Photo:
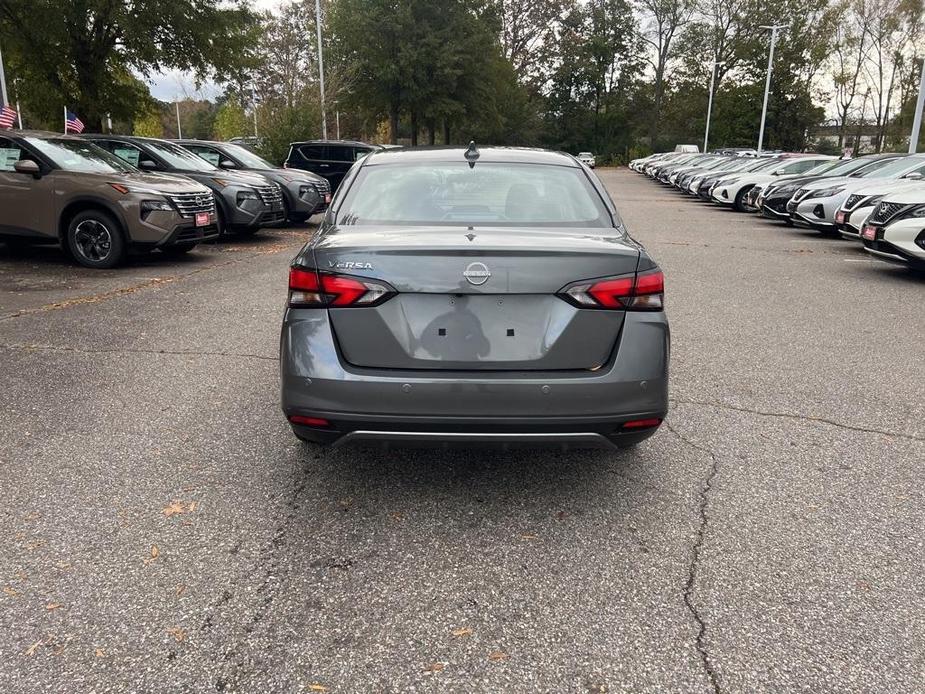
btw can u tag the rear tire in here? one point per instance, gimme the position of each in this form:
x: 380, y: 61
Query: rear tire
x: 95, y: 240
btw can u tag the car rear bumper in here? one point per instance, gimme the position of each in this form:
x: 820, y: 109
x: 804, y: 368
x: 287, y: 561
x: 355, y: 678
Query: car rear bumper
x: 525, y: 407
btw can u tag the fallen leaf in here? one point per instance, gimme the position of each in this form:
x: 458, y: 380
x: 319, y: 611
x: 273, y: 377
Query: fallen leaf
x: 561, y: 515
x: 179, y: 633
x: 528, y: 536
x: 180, y: 590
x: 100, y: 653
x: 317, y: 688
x: 33, y: 648
x: 397, y: 516
x: 435, y: 667
x: 155, y: 553
x: 191, y: 507
x: 53, y: 606
x: 464, y: 631
x: 498, y: 656
x: 9, y: 591
x: 174, y: 508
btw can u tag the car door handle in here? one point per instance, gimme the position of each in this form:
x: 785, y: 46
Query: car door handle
x: 323, y: 166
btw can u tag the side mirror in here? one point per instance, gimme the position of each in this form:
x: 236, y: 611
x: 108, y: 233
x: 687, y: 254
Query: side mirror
x: 914, y: 176
x: 28, y: 167
x: 226, y: 164
x: 147, y: 164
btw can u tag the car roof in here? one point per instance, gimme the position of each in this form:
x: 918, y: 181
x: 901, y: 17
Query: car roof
x: 520, y: 155
x: 353, y: 143
x: 44, y: 134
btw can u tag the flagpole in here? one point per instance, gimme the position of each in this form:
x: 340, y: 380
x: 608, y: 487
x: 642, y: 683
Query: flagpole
x: 3, y: 99
x: 179, y: 132
x: 65, y: 120
x: 18, y: 109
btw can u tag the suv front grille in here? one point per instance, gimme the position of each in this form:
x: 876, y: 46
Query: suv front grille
x: 189, y: 204
x: 271, y: 196
x: 884, y: 211
x: 852, y: 200
x: 800, y: 194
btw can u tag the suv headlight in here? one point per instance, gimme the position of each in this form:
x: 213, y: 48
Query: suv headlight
x: 247, y: 194
x: 824, y: 192
x: 155, y: 205
x: 915, y: 212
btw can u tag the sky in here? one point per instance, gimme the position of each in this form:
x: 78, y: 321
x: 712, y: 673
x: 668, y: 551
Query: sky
x: 173, y: 84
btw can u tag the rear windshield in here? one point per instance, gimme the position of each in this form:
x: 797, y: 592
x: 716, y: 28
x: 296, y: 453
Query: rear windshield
x: 453, y: 194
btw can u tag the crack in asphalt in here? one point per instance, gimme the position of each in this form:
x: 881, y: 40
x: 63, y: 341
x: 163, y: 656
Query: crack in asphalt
x: 268, y: 563
x: 689, y: 586
x: 798, y: 417
x: 170, y: 352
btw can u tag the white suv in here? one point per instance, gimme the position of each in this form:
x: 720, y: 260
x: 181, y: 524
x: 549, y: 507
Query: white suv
x: 895, y: 230
x: 586, y: 158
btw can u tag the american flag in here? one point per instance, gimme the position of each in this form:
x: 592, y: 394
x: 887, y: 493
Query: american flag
x: 73, y: 124
x: 7, y: 117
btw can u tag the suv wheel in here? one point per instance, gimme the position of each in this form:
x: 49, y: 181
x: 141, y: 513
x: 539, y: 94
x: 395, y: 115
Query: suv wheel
x: 739, y: 203
x: 95, y: 239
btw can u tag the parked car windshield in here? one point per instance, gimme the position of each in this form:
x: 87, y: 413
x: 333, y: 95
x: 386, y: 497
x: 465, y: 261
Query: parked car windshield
x: 246, y: 157
x: 79, y: 155
x: 863, y: 167
x: 453, y: 194
x: 179, y: 158
x: 826, y: 167
x: 890, y: 168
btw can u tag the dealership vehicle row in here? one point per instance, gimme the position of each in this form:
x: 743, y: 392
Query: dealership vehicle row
x: 102, y: 197
x: 878, y: 199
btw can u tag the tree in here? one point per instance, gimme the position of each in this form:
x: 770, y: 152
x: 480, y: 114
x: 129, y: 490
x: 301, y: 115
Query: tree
x: 148, y: 125
x: 434, y: 62
x: 230, y: 121
x: 527, y: 28
x: 664, y: 19
x: 83, y: 53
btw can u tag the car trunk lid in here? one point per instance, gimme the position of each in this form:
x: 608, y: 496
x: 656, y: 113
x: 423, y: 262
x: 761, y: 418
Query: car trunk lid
x: 476, y: 299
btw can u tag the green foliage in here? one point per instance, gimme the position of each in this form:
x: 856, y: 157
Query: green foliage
x: 83, y: 53
x: 436, y: 64
x: 148, y: 125
x: 231, y: 121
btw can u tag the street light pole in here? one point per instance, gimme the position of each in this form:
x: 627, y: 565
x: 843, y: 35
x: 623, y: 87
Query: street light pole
x: 917, y: 121
x: 706, y: 134
x: 179, y: 131
x: 324, y: 115
x: 254, y: 107
x: 767, y: 85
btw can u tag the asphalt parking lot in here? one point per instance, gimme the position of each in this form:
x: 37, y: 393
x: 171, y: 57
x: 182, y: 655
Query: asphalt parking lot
x: 163, y: 531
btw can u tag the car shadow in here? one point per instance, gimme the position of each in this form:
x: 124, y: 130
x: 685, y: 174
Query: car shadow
x: 486, y: 473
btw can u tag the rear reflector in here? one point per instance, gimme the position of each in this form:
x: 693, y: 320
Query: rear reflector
x: 642, y: 423
x: 309, y: 421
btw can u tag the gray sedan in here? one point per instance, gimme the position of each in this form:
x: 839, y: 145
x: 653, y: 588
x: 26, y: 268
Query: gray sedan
x: 488, y: 295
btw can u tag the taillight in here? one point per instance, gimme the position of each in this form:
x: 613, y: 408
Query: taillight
x: 309, y: 288
x: 638, y: 292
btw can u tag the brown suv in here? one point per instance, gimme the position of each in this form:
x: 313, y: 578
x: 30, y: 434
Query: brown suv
x: 62, y: 189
